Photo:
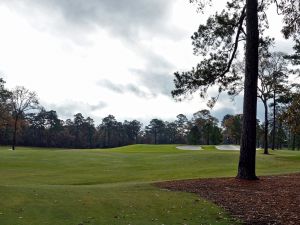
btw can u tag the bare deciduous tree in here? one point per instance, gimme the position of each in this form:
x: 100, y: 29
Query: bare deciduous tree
x: 22, y: 100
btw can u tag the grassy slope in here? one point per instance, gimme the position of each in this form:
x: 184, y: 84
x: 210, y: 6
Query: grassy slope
x: 62, y: 187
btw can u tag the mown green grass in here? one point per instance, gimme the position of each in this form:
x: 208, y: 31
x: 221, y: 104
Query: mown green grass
x: 113, y: 186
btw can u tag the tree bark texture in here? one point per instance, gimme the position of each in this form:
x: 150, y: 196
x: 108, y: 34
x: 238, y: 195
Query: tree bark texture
x: 246, y: 167
x: 274, y: 121
x: 294, y: 142
x: 15, y: 133
x: 266, y: 129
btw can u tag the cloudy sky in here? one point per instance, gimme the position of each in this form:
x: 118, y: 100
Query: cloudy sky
x: 101, y: 57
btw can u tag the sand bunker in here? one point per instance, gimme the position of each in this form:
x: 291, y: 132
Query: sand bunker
x: 228, y: 147
x: 190, y: 147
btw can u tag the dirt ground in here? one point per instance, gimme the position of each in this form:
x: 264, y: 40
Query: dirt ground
x: 269, y: 200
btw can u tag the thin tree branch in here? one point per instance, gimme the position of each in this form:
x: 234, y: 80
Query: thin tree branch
x: 241, y: 21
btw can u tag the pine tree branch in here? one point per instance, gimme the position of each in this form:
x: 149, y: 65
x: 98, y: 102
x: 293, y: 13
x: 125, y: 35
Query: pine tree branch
x: 236, y: 44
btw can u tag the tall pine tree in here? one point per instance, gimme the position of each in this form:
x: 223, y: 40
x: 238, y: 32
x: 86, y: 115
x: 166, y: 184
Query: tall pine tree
x: 218, y: 43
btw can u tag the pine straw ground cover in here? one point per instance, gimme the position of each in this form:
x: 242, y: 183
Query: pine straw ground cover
x: 269, y: 200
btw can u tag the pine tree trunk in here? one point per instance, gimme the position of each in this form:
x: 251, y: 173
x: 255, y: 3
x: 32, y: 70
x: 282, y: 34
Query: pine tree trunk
x: 274, y: 121
x: 279, y: 136
x: 246, y: 168
x: 294, y: 142
x: 15, y: 133
x: 266, y: 151
x: 208, y: 134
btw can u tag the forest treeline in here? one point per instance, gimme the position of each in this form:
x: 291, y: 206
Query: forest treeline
x: 24, y: 122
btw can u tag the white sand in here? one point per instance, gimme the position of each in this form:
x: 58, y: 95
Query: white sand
x: 190, y: 147
x: 228, y: 147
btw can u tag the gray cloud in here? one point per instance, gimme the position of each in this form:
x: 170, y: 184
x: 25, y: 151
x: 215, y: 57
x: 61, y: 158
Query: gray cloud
x: 157, y: 82
x: 220, y: 113
x: 111, y: 86
x: 157, y: 75
x: 69, y: 109
x: 137, y: 91
x: 99, y: 106
x: 124, y: 18
x: 236, y: 107
x: 121, y: 89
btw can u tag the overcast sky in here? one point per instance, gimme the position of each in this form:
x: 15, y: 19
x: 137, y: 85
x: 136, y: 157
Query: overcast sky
x: 101, y: 57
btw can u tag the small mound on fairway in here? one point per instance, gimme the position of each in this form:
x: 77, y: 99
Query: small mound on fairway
x: 190, y: 147
x: 228, y: 147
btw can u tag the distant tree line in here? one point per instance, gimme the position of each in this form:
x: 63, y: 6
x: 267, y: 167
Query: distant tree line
x: 23, y: 121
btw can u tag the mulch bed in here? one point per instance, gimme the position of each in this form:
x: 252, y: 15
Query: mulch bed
x: 269, y: 200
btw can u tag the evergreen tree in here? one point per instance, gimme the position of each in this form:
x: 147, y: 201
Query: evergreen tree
x: 217, y: 42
